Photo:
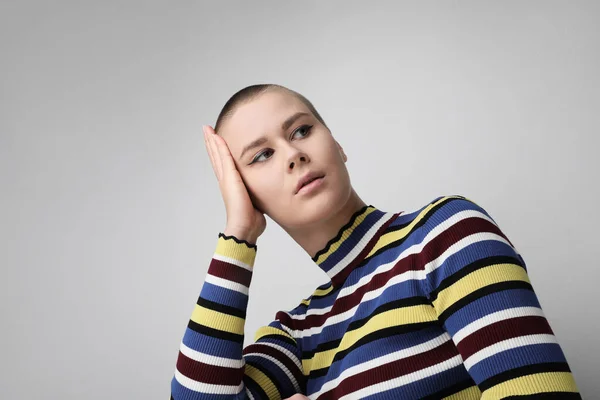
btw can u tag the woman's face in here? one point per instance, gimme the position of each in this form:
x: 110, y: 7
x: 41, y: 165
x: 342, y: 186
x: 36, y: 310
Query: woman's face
x: 271, y: 170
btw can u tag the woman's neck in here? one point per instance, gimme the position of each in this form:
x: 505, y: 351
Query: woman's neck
x: 314, y: 238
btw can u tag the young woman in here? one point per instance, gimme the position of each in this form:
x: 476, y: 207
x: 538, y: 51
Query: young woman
x: 431, y: 303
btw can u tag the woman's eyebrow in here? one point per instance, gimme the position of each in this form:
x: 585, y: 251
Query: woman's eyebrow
x: 284, y: 126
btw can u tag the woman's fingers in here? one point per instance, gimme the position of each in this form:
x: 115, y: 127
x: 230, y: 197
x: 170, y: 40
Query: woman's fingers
x: 227, y: 163
x: 213, y: 153
x: 212, y: 162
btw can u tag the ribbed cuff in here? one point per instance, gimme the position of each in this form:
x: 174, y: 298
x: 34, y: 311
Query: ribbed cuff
x: 238, y: 249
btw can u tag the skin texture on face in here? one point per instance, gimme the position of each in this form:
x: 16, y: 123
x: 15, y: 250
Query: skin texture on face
x: 272, y: 170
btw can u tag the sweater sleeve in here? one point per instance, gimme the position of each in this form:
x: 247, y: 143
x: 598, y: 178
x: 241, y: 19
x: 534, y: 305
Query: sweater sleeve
x: 480, y: 289
x: 212, y: 363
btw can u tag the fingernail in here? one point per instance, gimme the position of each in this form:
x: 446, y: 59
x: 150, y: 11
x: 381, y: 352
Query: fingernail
x: 204, y: 128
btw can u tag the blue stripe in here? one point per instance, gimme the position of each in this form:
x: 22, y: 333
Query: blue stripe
x: 489, y: 304
x: 178, y: 391
x: 398, y: 291
x: 374, y: 349
x: 357, y: 234
x: 224, y: 296
x: 468, y: 255
x: 515, y: 358
x: 211, y: 345
x: 424, y: 387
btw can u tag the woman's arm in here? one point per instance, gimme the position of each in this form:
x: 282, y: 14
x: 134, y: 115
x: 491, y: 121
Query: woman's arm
x: 479, y: 286
x: 212, y: 363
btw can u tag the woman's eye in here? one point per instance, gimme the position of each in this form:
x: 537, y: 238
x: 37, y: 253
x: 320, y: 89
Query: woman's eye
x: 256, y: 159
x: 306, y: 128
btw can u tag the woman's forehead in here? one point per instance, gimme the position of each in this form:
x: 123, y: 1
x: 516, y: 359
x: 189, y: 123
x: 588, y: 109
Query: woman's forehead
x: 263, y: 115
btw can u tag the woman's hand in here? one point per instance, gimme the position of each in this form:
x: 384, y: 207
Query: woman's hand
x: 297, y: 397
x: 244, y: 221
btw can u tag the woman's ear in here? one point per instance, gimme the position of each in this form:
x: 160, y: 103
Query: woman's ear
x: 344, y: 156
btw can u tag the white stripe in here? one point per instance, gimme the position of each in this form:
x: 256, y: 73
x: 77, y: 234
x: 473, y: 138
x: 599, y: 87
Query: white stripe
x: 464, y: 242
x: 495, y: 317
x: 417, y: 275
x: 249, y: 394
x: 365, y: 280
x: 362, y: 243
x: 207, y: 387
x: 405, y: 379
x: 233, y: 261
x: 373, y: 294
x: 508, y: 344
x: 385, y: 359
x: 210, y: 359
x: 283, y: 350
x: 281, y: 367
x: 227, y: 284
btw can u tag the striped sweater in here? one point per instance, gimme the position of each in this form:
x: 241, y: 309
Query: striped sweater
x: 434, y: 303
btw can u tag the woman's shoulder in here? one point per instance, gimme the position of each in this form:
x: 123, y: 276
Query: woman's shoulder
x: 317, y: 299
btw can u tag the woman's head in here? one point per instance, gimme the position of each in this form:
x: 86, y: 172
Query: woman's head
x: 296, y: 141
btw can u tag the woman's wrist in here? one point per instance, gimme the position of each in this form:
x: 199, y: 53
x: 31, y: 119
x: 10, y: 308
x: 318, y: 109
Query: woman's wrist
x: 241, y: 234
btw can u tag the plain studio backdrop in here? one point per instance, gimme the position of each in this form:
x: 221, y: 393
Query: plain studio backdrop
x: 110, y: 210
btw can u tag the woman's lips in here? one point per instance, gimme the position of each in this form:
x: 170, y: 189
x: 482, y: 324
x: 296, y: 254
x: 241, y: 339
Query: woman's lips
x: 312, y: 186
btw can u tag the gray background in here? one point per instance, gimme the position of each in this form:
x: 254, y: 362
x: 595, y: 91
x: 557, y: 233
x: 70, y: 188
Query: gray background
x: 109, y: 209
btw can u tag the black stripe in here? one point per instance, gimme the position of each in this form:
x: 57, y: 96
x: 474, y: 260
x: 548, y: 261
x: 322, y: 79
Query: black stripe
x: 205, y: 330
x: 548, y: 396
x: 319, y: 296
x: 254, y: 388
x: 400, y: 241
x: 392, y: 305
x: 366, y: 260
x: 240, y: 241
x: 474, y: 266
x: 222, y: 308
x: 396, y: 304
x: 269, y: 375
x: 379, y: 334
x: 522, y: 371
x: 450, y: 390
x: 479, y: 293
x: 394, y: 228
x: 435, y: 208
x: 273, y: 337
x: 341, y: 231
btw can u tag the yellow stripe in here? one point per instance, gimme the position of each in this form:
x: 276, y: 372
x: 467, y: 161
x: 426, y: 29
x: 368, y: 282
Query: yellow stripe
x: 322, y: 292
x: 397, y: 317
x: 263, y: 381
x: 476, y: 280
x: 391, y: 237
x: 470, y: 393
x: 345, y: 235
x: 535, y: 383
x: 238, y: 251
x: 218, y: 320
x: 269, y: 330
x: 317, y: 292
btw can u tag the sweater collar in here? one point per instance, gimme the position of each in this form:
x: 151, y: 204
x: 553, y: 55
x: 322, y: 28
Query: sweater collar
x: 353, y: 242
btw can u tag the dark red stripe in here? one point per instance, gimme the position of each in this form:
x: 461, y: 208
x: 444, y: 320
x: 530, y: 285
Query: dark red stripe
x: 392, y: 370
x: 341, y: 276
x: 502, y: 330
x: 413, y: 262
x: 206, y: 373
x: 230, y: 272
x: 278, y: 355
x: 456, y: 232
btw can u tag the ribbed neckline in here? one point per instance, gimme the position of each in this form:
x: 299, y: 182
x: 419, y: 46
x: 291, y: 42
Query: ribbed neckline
x: 353, y: 241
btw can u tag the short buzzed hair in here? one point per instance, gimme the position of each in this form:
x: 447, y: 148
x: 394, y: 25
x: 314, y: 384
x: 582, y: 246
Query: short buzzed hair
x: 251, y: 92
